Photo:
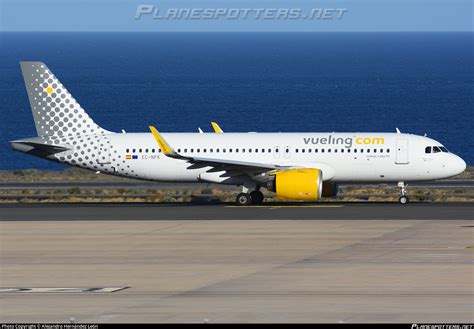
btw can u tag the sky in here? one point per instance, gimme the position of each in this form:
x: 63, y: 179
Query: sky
x: 120, y: 15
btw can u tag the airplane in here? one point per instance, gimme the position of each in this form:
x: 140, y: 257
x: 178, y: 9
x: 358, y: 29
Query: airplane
x: 295, y: 166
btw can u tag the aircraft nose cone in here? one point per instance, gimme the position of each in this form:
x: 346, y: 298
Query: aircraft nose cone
x: 458, y: 165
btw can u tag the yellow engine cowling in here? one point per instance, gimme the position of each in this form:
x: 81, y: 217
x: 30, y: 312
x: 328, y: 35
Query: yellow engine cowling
x: 297, y: 184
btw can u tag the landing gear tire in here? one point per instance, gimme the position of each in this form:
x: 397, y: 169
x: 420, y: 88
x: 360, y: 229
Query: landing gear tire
x: 243, y: 199
x: 257, y: 197
x: 403, y: 199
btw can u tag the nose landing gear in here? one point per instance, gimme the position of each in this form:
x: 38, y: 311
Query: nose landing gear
x: 403, y: 199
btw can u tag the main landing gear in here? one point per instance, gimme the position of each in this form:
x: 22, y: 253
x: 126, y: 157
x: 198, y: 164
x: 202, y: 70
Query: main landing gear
x: 254, y: 197
x: 257, y: 197
x: 403, y: 199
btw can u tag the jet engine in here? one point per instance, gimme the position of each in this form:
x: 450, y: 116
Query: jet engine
x: 297, y: 184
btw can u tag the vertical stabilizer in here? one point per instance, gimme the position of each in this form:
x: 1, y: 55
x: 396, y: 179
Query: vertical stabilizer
x: 55, y: 111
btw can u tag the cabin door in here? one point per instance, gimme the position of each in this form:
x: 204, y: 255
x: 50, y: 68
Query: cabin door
x: 402, y: 151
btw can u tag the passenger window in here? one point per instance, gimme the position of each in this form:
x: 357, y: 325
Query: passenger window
x: 368, y: 150
x: 309, y: 150
x: 361, y: 150
x: 256, y: 150
x: 211, y: 150
x: 342, y: 150
x: 146, y: 151
x: 204, y: 150
x: 192, y: 150
x: 230, y: 150
x: 375, y: 150
x: 269, y: 150
x: 243, y: 150
x: 322, y: 150
x: 236, y: 150
x: 302, y: 150
x: 127, y: 151
x: 335, y: 150
x: 263, y: 150
x: 223, y: 150
x: 381, y: 150
x: 153, y: 150
x: 185, y: 150
x: 428, y: 149
x: 348, y: 150
x: 388, y: 150
x: 287, y: 150
x: 133, y: 151
x: 140, y: 151
x: 296, y: 150
x: 315, y: 150
x: 198, y: 150
x: 355, y: 150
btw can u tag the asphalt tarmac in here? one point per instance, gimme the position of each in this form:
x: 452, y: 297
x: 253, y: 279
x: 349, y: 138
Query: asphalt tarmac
x: 270, y: 211
x: 298, y: 262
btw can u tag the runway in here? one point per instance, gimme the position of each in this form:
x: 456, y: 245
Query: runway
x: 281, y: 263
x: 270, y: 211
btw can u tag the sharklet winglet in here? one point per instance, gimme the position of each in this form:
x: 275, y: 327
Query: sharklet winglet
x: 216, y: 128
x: 165, y: 148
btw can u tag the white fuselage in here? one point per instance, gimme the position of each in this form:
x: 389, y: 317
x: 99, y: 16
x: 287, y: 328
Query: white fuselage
x: 342, y: 157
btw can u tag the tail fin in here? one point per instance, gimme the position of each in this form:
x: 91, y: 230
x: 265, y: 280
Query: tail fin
x: 55, y: 111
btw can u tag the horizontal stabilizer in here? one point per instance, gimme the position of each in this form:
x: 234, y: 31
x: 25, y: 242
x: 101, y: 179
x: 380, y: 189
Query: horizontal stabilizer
x: 37, y: 148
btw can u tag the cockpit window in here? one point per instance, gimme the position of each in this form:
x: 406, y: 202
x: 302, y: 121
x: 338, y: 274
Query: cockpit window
x: 436, y: 149
x: 444, y: 149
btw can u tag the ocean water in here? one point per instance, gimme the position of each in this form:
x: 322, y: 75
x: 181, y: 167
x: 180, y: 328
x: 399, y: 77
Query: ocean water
x: 418, y: 82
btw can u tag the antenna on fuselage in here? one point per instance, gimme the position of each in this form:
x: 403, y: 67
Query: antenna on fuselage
x: 398, y: 131
x: 200, y: 130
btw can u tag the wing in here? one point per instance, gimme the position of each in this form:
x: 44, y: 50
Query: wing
x: 198, y: 162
